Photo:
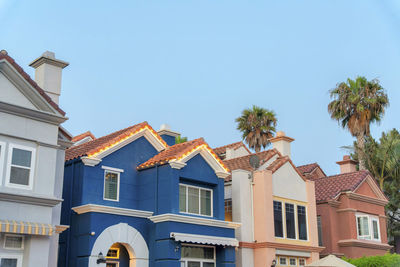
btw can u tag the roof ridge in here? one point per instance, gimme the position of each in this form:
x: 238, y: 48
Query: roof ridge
x: 228, y: 145
x: 346, y: 173
x: 257, y: 153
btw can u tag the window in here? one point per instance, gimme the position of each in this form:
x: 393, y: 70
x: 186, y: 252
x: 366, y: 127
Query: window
x: 195, y: 200
x: 293, y: 262
x: 319, y: 225
x: 112, y: 264
x: 198, y: 256
x: 13, y: 242
x: 111, y: 185
x: 290, y: 221
x: 367, y: 227
x: 20, y: 165
x: 113, y: 253
x: 302, y: 262
x: 228, y: 209
x: 278, y: 224
x: 282, y: 261
x: 302, y: 222
x: 10, y: 260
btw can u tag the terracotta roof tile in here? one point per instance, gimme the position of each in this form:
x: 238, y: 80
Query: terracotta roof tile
x: 330, y: 187
x: 243, y: 163
x: 222, y: 149
x: 4, y: 55
x: 279, y: 162
x: 101, y: 143
x: 177, y: 151
x: 83, y: 135
x: 308, y: 171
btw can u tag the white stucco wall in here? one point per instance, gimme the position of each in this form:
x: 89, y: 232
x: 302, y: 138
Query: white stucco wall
x: 287, y: 183
x: 9, y: 94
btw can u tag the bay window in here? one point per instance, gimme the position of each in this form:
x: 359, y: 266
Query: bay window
x: 195, y: 200
x: 367, y: 227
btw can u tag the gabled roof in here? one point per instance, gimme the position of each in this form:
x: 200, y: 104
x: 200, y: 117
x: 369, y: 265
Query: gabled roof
x: 330, y: 187
x: 4, y: 55
x: 310, y: 170
x: 279, y: 162
x: 101, y: 144
x: 83, y: 135
x: 222, y: 149
x: 243, y: 162
x: 178, y: 152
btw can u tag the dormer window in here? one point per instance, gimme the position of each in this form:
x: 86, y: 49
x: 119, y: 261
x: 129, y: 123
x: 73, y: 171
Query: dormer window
x: 195, y: 200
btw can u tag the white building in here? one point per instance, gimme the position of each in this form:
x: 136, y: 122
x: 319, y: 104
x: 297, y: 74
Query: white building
x: 32, y: 146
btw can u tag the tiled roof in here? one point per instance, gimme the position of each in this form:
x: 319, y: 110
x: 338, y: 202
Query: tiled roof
x: 176, y: 152
x: 4, y: 55
x: 102, y: 143
x: 244, y: 164
x: 308, y: 171
x: 279, y: 162
x: 83, y: 135
x: 222, y: 149
x: 331, y: 186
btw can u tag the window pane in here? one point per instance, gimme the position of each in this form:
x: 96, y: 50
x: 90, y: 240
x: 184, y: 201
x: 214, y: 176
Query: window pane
x: 228, y: 210
x: 193, y: 199
x: 197, y: 252
x: 302, y: 262
x: 278, y: 224
x: 205, y: 202
x: 319, y: 224
x: 13, y: 242
x: 302, y: 222
x: 363, y: 228
x: 111, y: 186
x: 193, y: 264
x: 8, y: 262
x: 19, y: 176
x: 282, y: 261
x: 21, y: 157
x: 290, y: 224
x: 182, y: 198
x: 375, y: 229
x: 293, y: 262
x: 208, y: 264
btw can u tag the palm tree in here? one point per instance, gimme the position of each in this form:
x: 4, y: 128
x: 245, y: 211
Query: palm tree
x: 356, y: 104
x: 257, y: 126
x: 179, y: 139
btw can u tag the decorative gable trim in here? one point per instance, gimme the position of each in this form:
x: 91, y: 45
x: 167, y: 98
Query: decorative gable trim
x: 112, y: 210
x: 375, y: 188
x: 169, y: 217
x: 366, y: 199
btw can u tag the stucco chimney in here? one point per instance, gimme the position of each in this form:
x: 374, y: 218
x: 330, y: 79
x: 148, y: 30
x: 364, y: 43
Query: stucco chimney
x: 282, y: 143
x: 48, y: 73
x: 347, y: 164
x: 168, y: 135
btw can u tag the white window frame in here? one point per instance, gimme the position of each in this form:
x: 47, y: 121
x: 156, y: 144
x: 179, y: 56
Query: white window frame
x: 187, y: 200
x: 12, y: 256
x: 279, y: 261
x: 9, y: 248
x: 2, y: 152
x: 296, y: 223
x: 185, y: 260
x: 295, y: 261
x: 104, y: 185
x: 112, y: 262
x: 32, y: 168
x: 370, y: 227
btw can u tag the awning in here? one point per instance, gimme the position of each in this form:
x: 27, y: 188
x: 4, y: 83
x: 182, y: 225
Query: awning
x: 30, y: 228
x: 205, y: 239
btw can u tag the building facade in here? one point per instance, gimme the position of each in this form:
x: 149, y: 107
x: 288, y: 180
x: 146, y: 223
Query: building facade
x: 32, y: 150
x: 135, y: 198
x: 354, y: 200
x: 274, y: 203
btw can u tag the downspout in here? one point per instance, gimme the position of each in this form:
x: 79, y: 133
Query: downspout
x: 252, y: 204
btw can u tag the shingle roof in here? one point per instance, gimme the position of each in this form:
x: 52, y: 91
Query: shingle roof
x: 176, y: 152
x: 83, y: 135
x: 99, y: 144
x: 222, y: 149
x: 4, y: 55
x: 330, y: 187
x: 244, y: 164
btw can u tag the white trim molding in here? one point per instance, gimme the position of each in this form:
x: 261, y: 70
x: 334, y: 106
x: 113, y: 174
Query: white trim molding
x: 90, y: 161
x: 169, y: 217
x: 112, y: 169
x: 177, y: 164
x: 112, y: 210
x: 205, y: 239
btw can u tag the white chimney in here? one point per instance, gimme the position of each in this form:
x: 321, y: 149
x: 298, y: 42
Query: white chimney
x: 347, y: 164
x: 48, y: 72
x: 282, y: 143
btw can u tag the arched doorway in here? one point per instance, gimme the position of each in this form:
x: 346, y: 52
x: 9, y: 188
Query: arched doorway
x: 117, y: 256
x: 126, y: 236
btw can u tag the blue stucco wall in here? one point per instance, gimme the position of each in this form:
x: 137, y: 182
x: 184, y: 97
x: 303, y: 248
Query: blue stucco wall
x: 155, y: 189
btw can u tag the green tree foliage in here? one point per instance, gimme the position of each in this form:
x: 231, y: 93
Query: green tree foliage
x: 355, y: 105
x: 180, y: 139
x: 388, y: 260
x: 257, y: 126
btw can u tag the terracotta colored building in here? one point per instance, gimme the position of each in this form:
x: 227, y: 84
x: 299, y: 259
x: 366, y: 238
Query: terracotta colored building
x: 279, y: 222
x: 350, y: 211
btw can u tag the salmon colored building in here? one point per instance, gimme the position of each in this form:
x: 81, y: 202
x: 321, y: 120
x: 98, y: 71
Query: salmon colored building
x: 350, y: 209
x: 275, y: 204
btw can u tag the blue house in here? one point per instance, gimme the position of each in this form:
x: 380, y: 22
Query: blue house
x: 135, y: 198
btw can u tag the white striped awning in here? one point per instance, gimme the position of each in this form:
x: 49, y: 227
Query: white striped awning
x: 30, y: 228
x: 205, y: 239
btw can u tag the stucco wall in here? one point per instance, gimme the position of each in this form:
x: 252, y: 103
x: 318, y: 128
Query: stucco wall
x: 287, y: 183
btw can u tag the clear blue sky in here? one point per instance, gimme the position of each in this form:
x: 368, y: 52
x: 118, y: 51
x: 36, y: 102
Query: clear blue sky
x: 197, y: 64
